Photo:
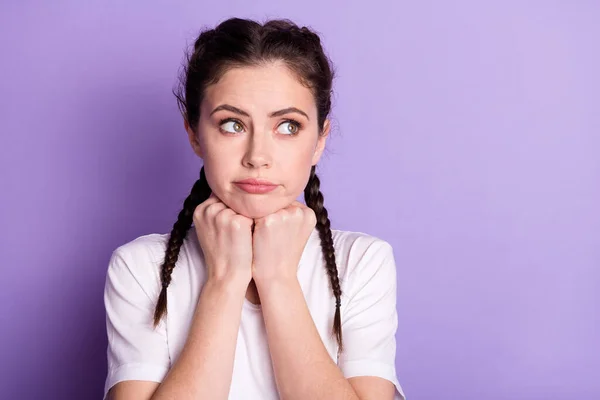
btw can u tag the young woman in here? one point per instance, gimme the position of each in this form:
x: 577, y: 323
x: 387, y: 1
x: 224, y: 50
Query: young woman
x: 252, y: 295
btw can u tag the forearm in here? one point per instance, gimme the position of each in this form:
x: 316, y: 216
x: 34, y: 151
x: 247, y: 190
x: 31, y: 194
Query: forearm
x: 205, y: 365
x: 302, y: 366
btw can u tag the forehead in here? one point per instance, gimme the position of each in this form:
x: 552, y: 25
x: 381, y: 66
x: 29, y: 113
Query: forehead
x: 262, y: 88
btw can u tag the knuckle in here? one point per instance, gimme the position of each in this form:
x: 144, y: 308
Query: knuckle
x: 310, y: 216
x: 235, y: 224
x: 197, y: 214
x: 270, y: 220
x: 213, y: 210
x: 239, y: 222
x: 223, y: 218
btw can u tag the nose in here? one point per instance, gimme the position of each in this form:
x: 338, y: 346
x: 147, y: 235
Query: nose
x: 258, y: 152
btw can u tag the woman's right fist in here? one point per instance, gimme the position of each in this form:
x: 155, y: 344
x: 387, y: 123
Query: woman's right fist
x: 226, y: 240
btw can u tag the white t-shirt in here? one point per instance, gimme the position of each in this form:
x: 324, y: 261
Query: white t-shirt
x: 137, y: 351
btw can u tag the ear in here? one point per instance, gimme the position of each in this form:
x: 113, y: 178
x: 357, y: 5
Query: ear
x: 193, y: 139
x: 321, y: 142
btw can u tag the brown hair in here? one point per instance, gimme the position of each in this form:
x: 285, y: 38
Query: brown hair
x: 241, y: 42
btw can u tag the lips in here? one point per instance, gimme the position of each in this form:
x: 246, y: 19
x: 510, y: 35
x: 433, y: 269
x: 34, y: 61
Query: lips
x: 256, y: 181
x: 256, y: 186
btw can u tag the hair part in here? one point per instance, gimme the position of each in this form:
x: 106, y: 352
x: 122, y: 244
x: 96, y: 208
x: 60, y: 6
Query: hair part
x: 238, y: 43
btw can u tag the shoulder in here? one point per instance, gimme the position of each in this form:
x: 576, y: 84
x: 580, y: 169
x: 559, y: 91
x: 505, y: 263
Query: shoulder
x: 139, y: 261
x: 367, y: 274
x: 360, y: 253
x: 145, y: 246
x: 343, y: 239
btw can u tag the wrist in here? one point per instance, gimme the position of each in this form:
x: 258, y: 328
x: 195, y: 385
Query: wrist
x: 229, y: 285
x: 220, y: 296
x: 276, y: 286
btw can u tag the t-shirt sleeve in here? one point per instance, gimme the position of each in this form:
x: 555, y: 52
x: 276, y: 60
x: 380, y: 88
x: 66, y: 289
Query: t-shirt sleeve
x: 370, y: 319
x: 136, y: 350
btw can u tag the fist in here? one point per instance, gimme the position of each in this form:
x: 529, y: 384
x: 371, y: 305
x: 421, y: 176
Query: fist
x: 278, y: 242
x: 226, y: 240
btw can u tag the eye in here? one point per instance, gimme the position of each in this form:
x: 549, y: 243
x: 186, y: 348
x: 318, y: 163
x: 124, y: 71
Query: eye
x: 231, y: 126
x: 290, y: 127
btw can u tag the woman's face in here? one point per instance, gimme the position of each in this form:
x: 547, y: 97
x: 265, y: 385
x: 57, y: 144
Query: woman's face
x: 247, y: 129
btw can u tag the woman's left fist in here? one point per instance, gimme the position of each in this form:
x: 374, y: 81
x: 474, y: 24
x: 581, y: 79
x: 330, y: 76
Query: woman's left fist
x: 278, y: 242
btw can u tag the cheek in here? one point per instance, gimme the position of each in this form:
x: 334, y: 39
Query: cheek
x: 296, y: 165
x: 299, y: 155
x: 297, y: 178
x: 217, y: 173
x: 218, y: 156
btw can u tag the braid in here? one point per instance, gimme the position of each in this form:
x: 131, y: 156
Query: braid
x: 314, y: 199
x: 200, y: 192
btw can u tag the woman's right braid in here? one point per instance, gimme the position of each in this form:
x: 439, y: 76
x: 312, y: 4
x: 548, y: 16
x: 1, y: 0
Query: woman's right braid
x: 200, y: 192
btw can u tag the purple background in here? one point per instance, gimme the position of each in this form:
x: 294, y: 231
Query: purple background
x: 466, y: 133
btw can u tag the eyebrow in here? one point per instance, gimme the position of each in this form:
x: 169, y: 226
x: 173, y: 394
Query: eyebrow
x: 273, y: 114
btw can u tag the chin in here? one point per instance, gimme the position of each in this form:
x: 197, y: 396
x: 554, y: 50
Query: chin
x: 259, y: 208
x: 254, y: 212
